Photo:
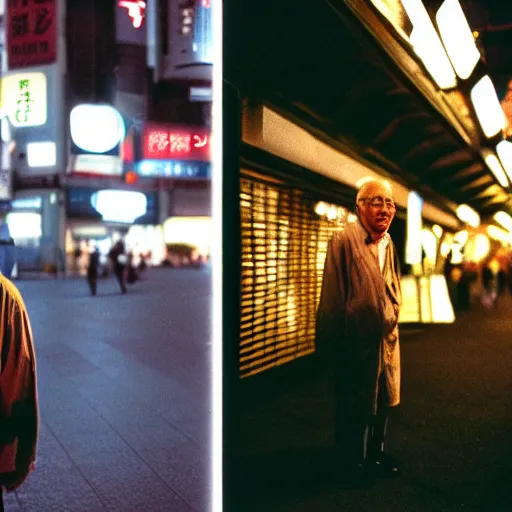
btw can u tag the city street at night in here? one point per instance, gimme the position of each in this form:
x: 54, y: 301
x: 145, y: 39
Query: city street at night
x: 452, y: 433
x: 123, y: 384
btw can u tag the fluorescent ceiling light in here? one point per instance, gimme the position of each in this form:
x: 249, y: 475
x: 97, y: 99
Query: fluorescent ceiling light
x: 438, y: 230
x: 457, y: 38
x: 504, y: 150
x: 467, y: 215
x: 41, y: 154
x: 494, y: 165
x: 427, y: 45
x: 487, y: 107
x: 497, y: 233
x: 504, y: 219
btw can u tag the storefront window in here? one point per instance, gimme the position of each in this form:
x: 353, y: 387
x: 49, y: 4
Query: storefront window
x: 284, y: 238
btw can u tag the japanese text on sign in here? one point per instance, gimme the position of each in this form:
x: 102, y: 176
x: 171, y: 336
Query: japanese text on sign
x: 178, y: 143
x: 31, y: 32
x: 24, y: 98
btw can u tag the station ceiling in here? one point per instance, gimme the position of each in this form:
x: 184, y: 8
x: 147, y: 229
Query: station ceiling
x: 316, y: 61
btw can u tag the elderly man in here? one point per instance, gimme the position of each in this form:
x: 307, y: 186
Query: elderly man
x: 358, y: 316
x: 18, y: 395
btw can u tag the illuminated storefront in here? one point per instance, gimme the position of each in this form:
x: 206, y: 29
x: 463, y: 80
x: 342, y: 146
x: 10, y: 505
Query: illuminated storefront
x: 104, y: 216
x: 284, y: 233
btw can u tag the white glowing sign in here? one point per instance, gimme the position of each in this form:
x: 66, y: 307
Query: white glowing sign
x: 136, y: 11
x: 96, y: 128
x: 41, y: 154
x: 24, y: 99
x: 413, y: 253
x: 119, y: 205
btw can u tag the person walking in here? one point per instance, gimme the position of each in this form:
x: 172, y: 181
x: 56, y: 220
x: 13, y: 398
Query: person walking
x: 358, y: 317
x: 92, y: 270
x: 19, y: 416
x: 119, y: 261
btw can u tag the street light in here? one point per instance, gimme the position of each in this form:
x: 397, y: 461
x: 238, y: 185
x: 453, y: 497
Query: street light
x: 427, y: 45
x: 467, y: 215
x: 494, y: 165
x: 487, y: 107
x: 504, y: 219
x: 457, y: 38
x: 504, y: 150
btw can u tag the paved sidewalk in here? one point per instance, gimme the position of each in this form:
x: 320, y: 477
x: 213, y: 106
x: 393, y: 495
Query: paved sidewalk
x: 453, y: 430
x: 124, y: 395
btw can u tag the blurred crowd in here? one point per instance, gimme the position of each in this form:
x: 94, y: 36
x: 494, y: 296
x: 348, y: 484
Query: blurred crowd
x: 486, y: 281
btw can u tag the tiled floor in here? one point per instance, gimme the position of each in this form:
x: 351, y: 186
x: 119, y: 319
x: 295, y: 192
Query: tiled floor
x: 123, y: 394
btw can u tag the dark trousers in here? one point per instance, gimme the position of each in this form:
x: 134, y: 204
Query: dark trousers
x: 120, y: 276
x: 1, y: 500
x: 358, y: 435
x: 92, y: 281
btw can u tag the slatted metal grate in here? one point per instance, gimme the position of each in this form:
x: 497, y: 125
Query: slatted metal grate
x: 284, y: 243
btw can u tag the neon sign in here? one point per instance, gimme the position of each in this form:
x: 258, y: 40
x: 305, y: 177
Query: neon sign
x: 136, y: 11
x: 176, y: 143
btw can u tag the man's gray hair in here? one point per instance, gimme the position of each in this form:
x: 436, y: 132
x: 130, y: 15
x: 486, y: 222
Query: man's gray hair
x: 365, y: 183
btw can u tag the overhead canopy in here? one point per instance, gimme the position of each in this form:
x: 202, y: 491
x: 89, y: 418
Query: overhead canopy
x: 320, y: 66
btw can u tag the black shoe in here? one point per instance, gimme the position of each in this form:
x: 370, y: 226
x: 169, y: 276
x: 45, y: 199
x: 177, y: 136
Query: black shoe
x: 356, y: 477
x: 384, y: 466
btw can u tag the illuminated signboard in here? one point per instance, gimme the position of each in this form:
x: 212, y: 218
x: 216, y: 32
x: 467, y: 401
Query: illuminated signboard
x: 112, y: 205
x: 136, y: 11
x: 119, y: 205
x: 24, y: 99
x: 176, y: 143
x: 31, y: 32
x: 173, y: 169
x: 96, y: 128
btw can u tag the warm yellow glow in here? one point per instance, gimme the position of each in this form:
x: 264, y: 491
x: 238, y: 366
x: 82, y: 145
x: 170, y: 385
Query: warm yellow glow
x: 457, y: 38
x: 332, y: 212
x: 467, y: 215
x: 321, y: 208
x: 438, y: 230
x: 428, y: 46
x: 432, y: 305
x: 504, y: 150
x: 442, y: 310
x: 487, y: 106
x: 196, y: 231
x: 429, y: 244
x: 478, y: 248
x: 504, y: 219
x: 351, y: 217
x: 461, y: 237
x: 495, y: 166
x: 445, y: 249
x: 498, y: 234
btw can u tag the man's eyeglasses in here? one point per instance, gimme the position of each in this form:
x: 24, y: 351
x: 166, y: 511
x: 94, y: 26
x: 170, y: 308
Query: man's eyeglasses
x: 379, y: 202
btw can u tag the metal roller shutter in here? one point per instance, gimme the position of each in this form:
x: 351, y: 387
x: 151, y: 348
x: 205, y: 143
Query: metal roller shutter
x: 284, y: 244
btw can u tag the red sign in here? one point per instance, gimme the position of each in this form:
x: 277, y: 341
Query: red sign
x: 136, y: 11
x: 31, y: 32
x: 166, y: 142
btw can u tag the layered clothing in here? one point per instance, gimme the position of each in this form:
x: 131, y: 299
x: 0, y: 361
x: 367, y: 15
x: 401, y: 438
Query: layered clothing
x: 358, y: 316
x: 18, y: 394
